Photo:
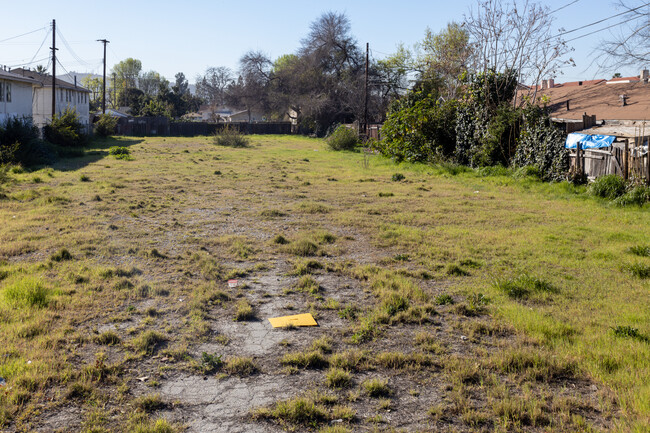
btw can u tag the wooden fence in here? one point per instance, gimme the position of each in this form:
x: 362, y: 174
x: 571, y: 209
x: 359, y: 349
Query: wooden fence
x: 627, y: 158
x: 161, y: 126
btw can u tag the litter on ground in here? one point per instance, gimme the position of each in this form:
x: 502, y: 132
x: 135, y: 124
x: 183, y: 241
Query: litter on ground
x: 295, y: 320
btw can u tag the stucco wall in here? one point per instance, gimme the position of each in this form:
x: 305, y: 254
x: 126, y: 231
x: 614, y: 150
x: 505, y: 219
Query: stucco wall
x: 43, y: 104
x: 21, y: 101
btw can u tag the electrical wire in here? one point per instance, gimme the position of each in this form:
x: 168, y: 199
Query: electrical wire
x: 67, y: 45
x: 596, y: 22
x: 24, y: 34
x: 565, y: 6
x: 39, y: 48
x: 30, y: 63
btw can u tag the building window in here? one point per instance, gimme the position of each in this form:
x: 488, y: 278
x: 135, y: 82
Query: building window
x: 8, y: 91
x: 2, y: 91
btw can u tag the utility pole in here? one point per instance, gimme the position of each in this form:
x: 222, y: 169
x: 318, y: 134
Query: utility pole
x: 53, y: 48
x: 365, y: 105
x: 115, y: 91
x: 104, y: 41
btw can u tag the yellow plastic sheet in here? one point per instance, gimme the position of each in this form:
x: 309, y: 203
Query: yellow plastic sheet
x: 296, y: 320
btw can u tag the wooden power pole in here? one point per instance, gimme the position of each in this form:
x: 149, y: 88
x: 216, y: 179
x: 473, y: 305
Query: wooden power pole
x: 365, y: 104
x: 104, y: 41
x: 53, y: 48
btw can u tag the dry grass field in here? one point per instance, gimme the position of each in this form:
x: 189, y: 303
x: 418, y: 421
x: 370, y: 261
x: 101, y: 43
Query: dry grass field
x: 447, y: 299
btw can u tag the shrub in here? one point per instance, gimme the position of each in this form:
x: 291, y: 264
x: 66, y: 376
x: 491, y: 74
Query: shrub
x: 66, y: 130
x: 20, y: 143
x: 230, y: 137
x: 397, y: 177
x: 106, y: 125
x: 540, y: 151
x: 120, y: 152
x: 419, y: 128
x: 210, y: 363
x: 343, y: 138
x: 609, y: 187
x: 638, y: 196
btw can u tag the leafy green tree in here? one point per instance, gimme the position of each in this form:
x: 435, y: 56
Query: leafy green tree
x: 420, y: 126
x: 94, y: 84
x: 445, y: 55
x: 126, y: 73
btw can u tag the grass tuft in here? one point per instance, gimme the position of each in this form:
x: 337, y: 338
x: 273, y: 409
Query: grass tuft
x: 240, y: 366
x: 61, y: 255
x: 639, y: 270
x: 244, y: 311
x: 148, y: 342
x: 523, y: 286
x: 27, y: 292
x: 640, y: 250
x: 338, y: 378
x: 376, y: 388
x: 313, y: 359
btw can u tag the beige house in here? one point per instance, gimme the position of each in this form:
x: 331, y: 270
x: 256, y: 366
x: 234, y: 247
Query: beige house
x: 16, y: 93
x: 68, y: 96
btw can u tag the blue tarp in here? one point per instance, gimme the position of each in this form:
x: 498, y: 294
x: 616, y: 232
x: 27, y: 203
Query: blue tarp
x: 588, y: 141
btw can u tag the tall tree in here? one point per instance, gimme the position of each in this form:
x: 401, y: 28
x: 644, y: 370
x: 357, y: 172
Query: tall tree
x: 252, y: 87
x: 515, y: 36
x: 213, y: 84
x: 94, y: 84
x: 127, y: 73
x: 151, y: 82
x: 181, y: 86
x: 445, y: 56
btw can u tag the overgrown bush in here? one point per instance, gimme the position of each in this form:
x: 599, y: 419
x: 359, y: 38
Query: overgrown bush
x: 20, y: 143
x: 542, y: 146
x: 120, y: 152
x: 638, y: 195
x: 66, y: 130
x: 231, y: 137
x: 609, y: 187
x: 343, y: 138
x: 420, y: 128
x: 106, y: 125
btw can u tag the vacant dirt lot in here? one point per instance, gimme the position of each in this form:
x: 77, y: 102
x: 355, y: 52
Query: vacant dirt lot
x: 446, y: 300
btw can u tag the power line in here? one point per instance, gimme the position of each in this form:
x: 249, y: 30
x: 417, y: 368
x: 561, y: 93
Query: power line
x: 565, y: 6
x: 597, y: 22
x: 39, y: 48
x: 30, y: 63
x: 24, y: 34
x: 67, y: 45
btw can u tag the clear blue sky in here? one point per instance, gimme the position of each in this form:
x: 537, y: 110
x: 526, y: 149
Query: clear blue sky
x: 172, y: 36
